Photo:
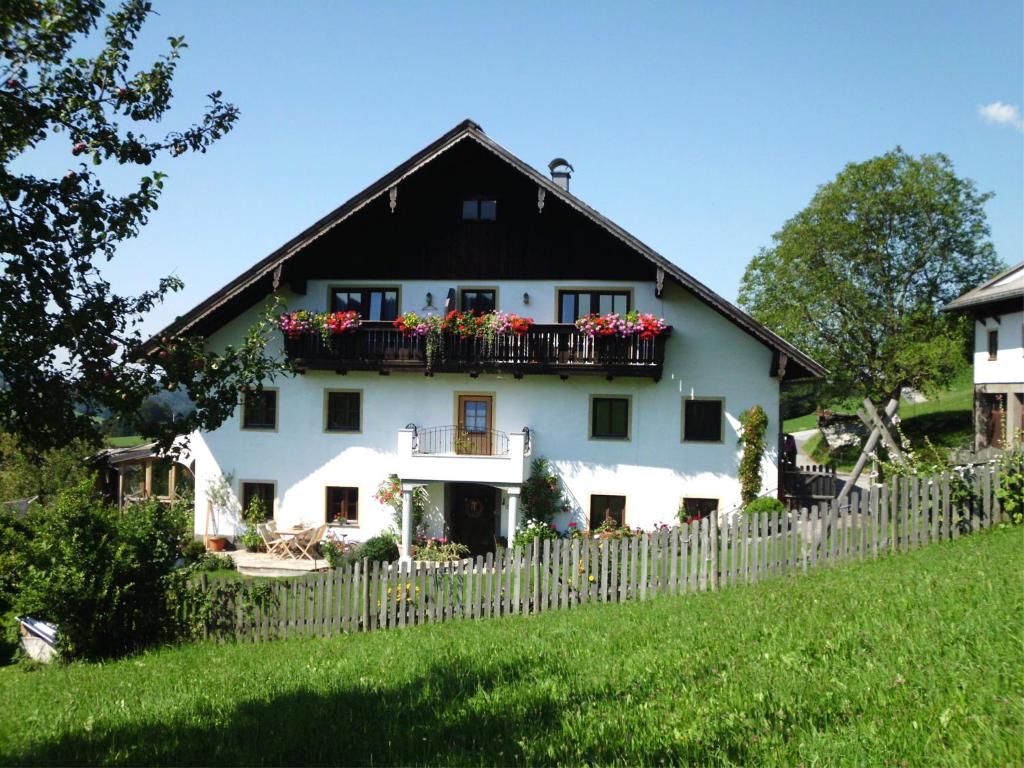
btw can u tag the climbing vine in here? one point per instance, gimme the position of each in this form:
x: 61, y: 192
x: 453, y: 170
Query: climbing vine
x: 753, y: 425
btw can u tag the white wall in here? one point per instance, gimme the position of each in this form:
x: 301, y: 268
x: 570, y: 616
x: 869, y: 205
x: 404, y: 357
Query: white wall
x: 1008, y: 367
x: 706, y: 356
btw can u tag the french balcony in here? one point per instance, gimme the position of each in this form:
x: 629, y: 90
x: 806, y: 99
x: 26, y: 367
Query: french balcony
x: 455, y: 454
x: 558, y: 349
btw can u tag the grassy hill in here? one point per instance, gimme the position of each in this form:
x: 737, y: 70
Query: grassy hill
x: 945, y: 419
x: 914, y: 659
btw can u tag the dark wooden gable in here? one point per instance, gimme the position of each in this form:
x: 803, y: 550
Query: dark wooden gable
x: 426, y: 237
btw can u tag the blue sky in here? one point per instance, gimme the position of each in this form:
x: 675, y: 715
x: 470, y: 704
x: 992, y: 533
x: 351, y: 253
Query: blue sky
x: 699, y: 127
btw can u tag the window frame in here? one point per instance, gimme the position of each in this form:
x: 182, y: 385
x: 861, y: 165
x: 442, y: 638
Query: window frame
x: 716, y: 500
x: 559, y: 290
x: 992, y: 338
x: 327, y: 411
x: 721, y: 420
x: 346, y: 522
x: 334, y: 287
x: 277, y: 410
x: 272, y: 511
x: 479, y: 200
x: 590, y: 509
x: 629, y: 418
x: 460, y: 290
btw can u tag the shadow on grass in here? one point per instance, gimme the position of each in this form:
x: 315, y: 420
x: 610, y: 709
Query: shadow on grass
x: 949, y: 429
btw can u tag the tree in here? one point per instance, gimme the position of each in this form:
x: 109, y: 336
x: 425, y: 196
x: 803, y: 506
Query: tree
x: 858, y: 277
x: 68, y: 343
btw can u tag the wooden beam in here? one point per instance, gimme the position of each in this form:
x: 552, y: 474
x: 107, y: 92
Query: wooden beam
x: 869, y: 446
x: 872, y: 421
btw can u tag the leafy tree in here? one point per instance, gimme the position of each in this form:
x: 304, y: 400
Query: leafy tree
x: 69, y: 341
x: 858, y: 277
x: 24, y: 474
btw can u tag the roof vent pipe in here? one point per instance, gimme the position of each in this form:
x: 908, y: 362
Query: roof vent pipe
x: 561, y: 170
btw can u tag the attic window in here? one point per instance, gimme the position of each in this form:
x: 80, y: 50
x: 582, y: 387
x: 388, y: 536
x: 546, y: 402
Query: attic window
x: 479, y: 210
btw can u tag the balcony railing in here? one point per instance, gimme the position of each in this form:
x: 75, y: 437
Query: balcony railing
x: 554, y: 349
x: 432, y: 441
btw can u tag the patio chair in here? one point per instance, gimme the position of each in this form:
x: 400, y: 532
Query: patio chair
x: 307, y: 545
x: 276, y: 543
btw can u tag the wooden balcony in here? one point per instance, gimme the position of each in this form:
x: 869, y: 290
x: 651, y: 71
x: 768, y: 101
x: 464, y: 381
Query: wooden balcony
x: 557, y: 349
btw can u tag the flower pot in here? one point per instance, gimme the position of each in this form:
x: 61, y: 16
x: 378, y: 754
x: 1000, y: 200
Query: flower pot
x: 216, y: 543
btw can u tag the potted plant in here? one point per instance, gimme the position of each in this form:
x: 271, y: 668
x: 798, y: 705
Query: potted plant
x: 216, y: 543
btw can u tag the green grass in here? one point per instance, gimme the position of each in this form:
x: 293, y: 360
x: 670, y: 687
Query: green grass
x: 912, y: 660
x: 125, y: 441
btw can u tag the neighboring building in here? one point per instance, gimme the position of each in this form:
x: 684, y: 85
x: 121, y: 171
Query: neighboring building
x: 633, y: 427
x: 139, y: 472
x: 997, y: 307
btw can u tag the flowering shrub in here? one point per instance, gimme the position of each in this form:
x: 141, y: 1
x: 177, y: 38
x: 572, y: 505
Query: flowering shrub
x: 440, y: 550
x: 633, y: 323
x: 389, y: 493
x: 327, y: 324
x: 531, y: 530
x: 543, y: 496
x: 464, y: 325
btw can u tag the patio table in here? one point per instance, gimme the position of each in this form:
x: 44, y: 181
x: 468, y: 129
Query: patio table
x: 294, y: 536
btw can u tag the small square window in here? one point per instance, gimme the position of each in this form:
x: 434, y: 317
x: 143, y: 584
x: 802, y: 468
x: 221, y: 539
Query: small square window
x: 259, y: 411
x: 609, y: 418
x: 604, y: 509
x: 262, y: 491
x: 993, y: 345
x: 342, y: 505
x: 702, y: 421
x: 477, y: 300
x: 470, y: 210
x: 697, y: 509
x: 343, y: 412
x: 488, y: 210
x: 479, y: 210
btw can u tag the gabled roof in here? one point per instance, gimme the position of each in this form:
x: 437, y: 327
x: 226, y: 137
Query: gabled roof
x: 1005, y: 286
x: 468, y: 130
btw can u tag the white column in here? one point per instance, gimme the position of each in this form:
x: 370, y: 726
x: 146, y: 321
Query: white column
x: 513, y: 513
x: 406, y: 552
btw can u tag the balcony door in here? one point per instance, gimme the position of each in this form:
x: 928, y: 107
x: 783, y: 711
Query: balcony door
x: 475, y: 425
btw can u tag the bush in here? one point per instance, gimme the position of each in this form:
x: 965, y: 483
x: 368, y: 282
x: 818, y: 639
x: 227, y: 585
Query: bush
x: 764, y: 504
x: 543, y: 496
x: 254, y: 515
x: 14, y: 539
x: 382, y: 547
x: 1011, y: 483
x: 101, y: 575
x: 534, y: 530
x: 211, y: 561
x: 441, y: 551
x: 333, y: 554
x: 192, y: 551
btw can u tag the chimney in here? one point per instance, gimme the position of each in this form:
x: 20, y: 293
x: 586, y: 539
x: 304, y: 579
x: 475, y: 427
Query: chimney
x: 561, y: 171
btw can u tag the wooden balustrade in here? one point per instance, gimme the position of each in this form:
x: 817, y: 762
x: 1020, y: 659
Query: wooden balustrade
x: 547, y: 349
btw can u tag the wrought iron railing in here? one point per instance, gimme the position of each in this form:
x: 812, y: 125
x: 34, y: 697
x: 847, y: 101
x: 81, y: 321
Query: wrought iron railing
x: 458, y: 440
x: 554, y: 348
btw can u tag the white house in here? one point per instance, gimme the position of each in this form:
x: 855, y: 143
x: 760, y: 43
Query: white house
x: 997, y: 307
x: 634, y: 427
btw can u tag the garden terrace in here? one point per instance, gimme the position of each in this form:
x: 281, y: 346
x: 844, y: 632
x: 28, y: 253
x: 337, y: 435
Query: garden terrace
x: 558, y: 348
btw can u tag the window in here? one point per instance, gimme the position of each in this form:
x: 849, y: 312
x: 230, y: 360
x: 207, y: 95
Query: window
x: 572, y: 305
x: 262, y: 491
x: 478, y: 300
x: 342, y: 505
x: 370, y: 303
x: 605, y: 508
x: 160, y: 484
x: 702, y: 421
x: 342, y: 411
x: 260, y: 410
x: 698, y: 509
x: 993, y: 345
x: 479, y: 210
x: 609, y: 418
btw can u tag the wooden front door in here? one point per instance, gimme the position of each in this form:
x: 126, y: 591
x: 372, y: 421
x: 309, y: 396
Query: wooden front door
x: 473, y: 516
x: 475, y: 425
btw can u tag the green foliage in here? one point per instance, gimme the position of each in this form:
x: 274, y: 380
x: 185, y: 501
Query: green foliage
x: 192, y: 551
x: 24, y: 474
x: 382, y: 547
x: 211, y: 561
x: 754, y: 423
x: 858, y: 277
x: 543, y: 496
x: 69, y: 347
x: 915, y: 658
x: 15, y: 535
x: 530, y: 531
x: 253, y: 516
x: 1011, y: 482
x: 334, y: 554
x: 389, y: 493
x: 101, y: 575
x: 441, y: 551
x: 764, y: 504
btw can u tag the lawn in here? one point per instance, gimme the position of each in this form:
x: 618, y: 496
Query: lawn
x: 126, y: 441
x: 916, y: 659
